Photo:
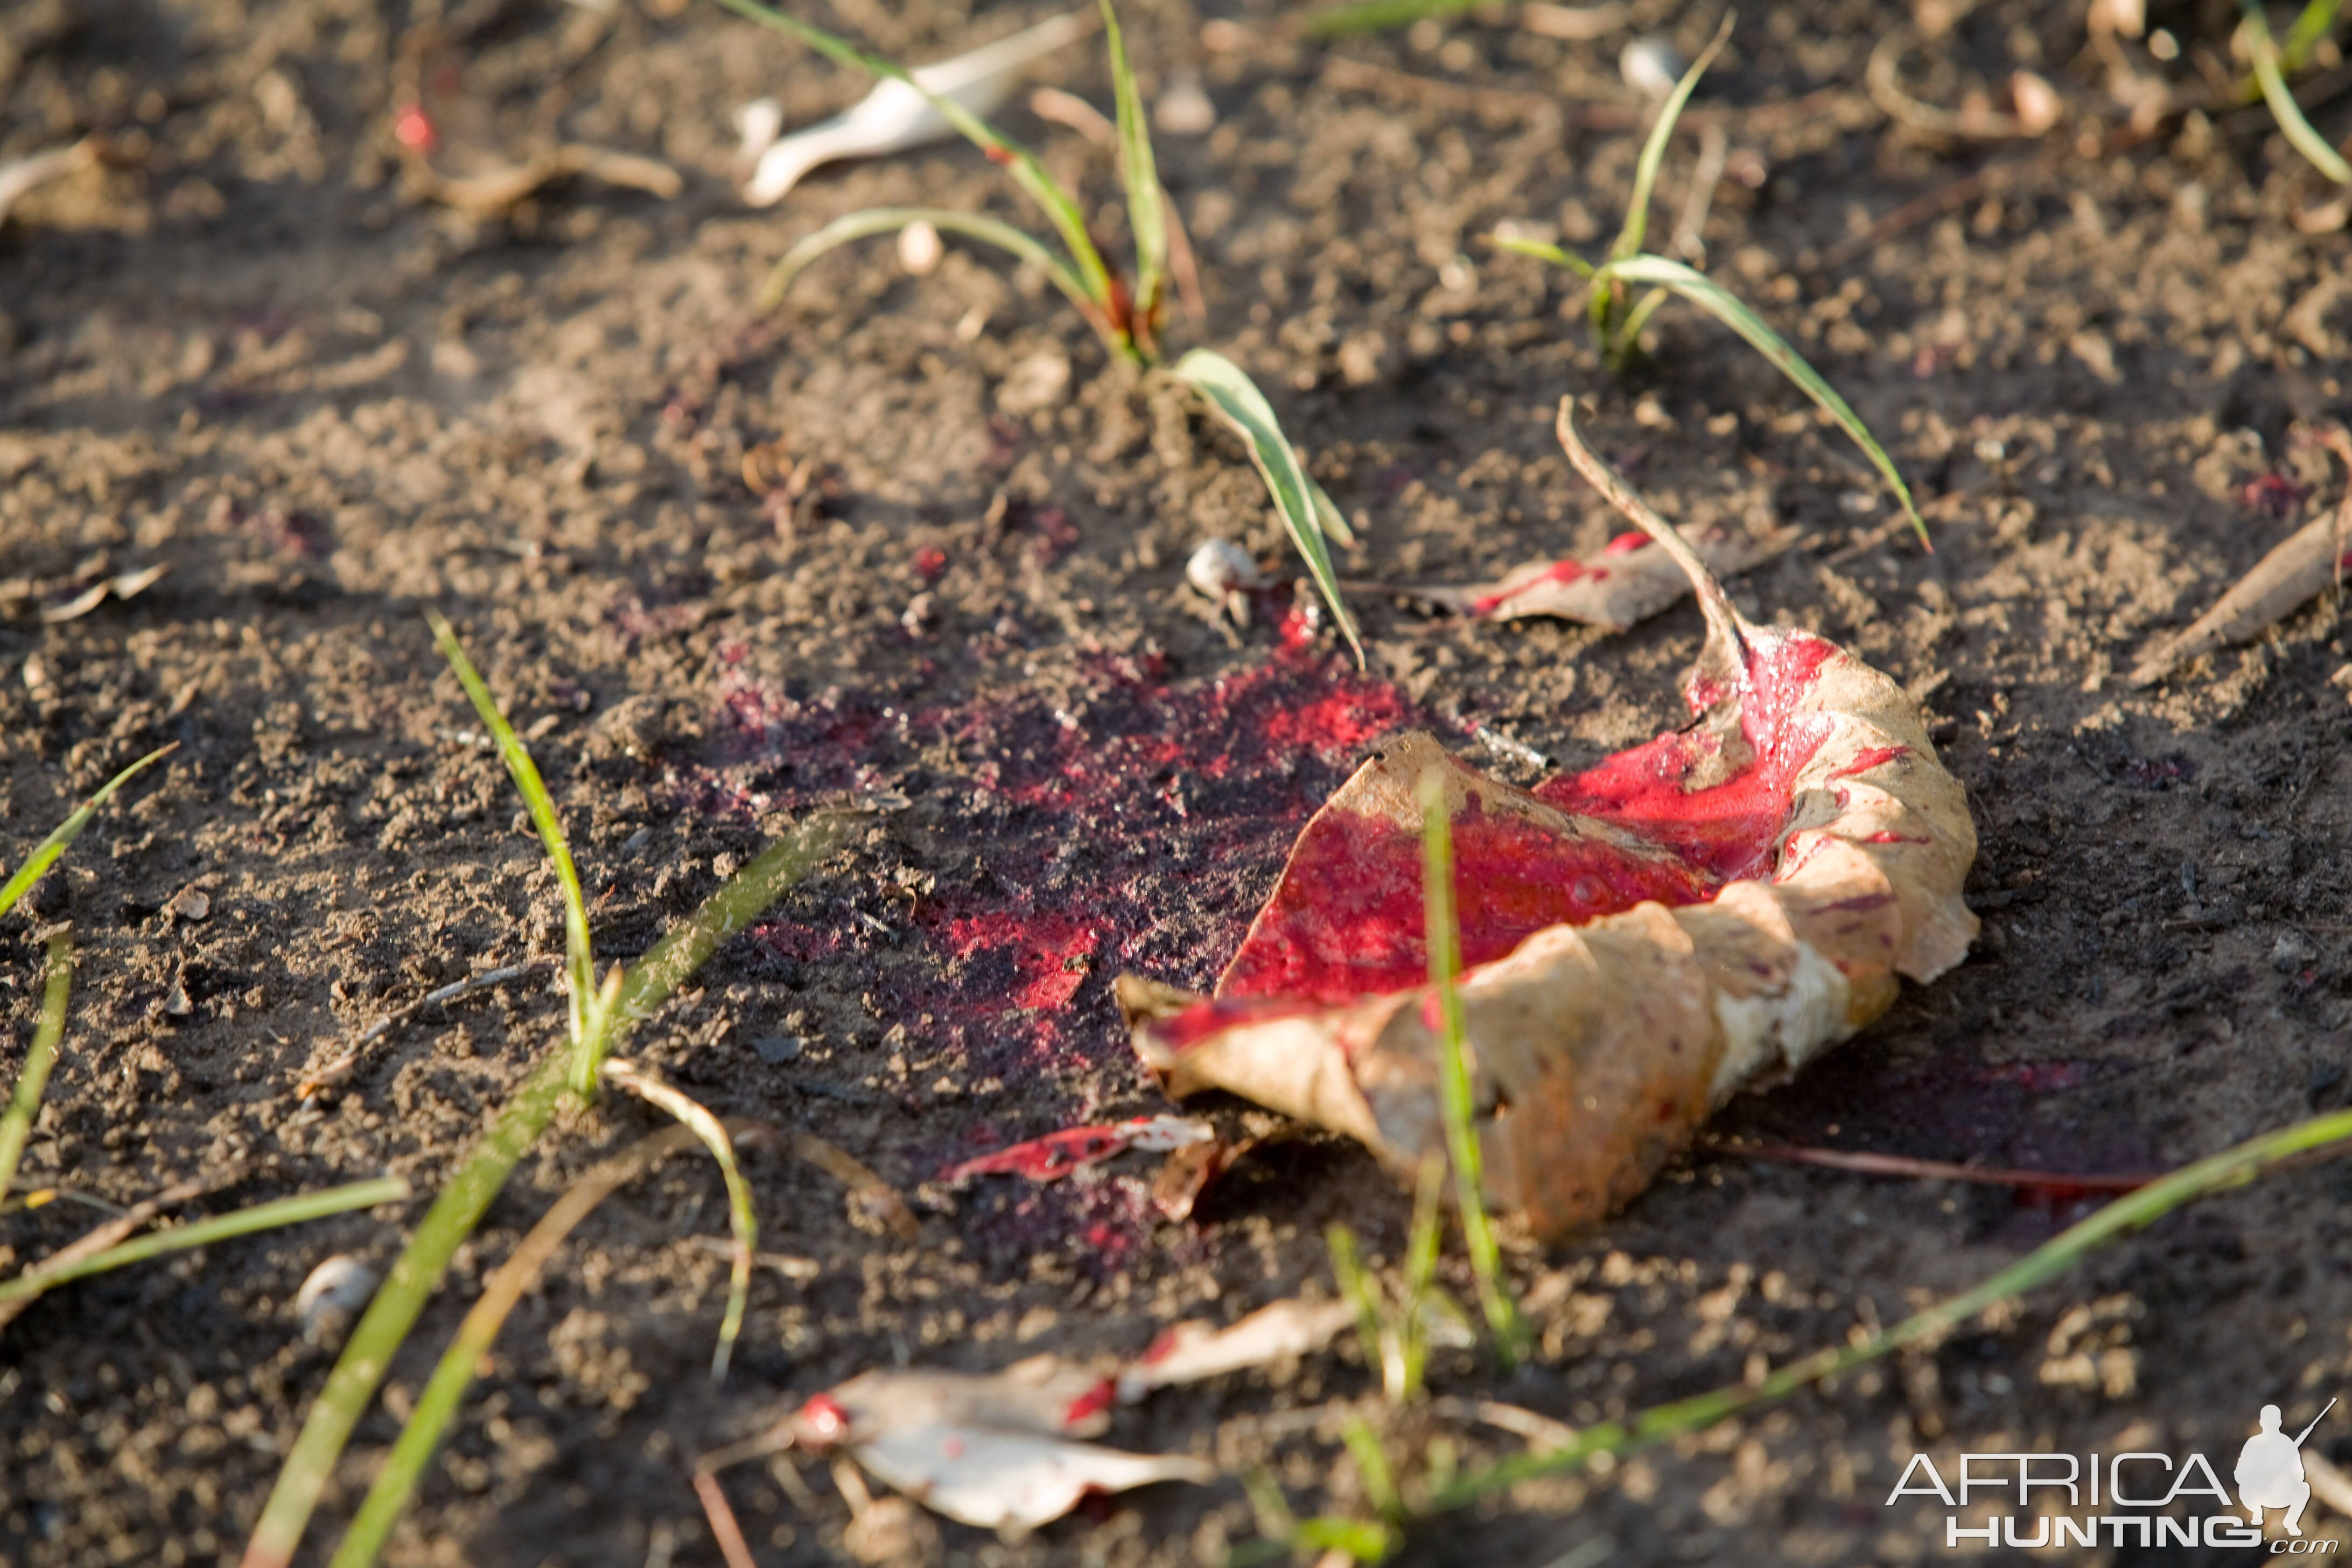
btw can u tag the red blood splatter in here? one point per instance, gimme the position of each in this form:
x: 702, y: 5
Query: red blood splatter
x: 822, y: 1421
x: 414, y: 131
x: 1626, y: 543
x: 1348, y: 920
x: 1557, y: 572
x: 2273, y: 493
x: 1092, y: 1402
x: 1296, y: 632
x: 1865, y: 760
x: 930, y: 561
x: 1129, y: 823
x: 1362, y: 928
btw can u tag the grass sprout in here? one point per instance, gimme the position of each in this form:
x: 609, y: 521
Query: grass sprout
x: 2271, y: 63
x: 601, y: 1015
x: 17, y: 1125
x: 2234, y: 1167
x: 1127, y: 320
x: 590, y: 1003
x: 437, y: 1405
x: 1617, y: 318
x: 50, y: 1273
x: 1444, y: 943
x: 1306, y: 512
x: 46, y: 853
x: 648, y: 1085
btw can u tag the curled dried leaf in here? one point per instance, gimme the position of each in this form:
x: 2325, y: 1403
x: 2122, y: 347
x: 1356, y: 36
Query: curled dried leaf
x: 1693, y: 917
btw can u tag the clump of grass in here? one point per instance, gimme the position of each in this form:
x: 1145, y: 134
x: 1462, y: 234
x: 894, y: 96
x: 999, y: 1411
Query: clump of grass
x: 2234, y: 1167
x: 1617, y: 317
x: 1126, y: 318
x: 600, y: 1014
x: 112, y: 1246
x: 2272, y: 61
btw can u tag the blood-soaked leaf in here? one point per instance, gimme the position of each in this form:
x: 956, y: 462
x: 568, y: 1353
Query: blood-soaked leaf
x: 1629, y: 581
x: 1056, y: 1155
x: 1690, y: 918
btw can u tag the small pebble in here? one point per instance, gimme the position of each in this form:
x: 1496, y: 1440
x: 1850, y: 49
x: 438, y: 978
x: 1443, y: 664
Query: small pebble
x: 1220, y: 567
x: 2036, y: 102
x: 1650, y: 66
x: 1184, y: 109
x: 331, y: 1298
x: 759, y: 124
x: 777, y: 1049
x: 919, y: 248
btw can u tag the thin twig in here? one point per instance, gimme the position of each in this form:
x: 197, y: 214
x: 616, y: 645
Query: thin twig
x: 116, y: 1231
x: 1874, y: 1164
x: 339, y: 1070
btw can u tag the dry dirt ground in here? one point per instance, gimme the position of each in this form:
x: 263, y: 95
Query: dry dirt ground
x: 241, y: 349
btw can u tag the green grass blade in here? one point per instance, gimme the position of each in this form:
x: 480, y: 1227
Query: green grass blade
x: 1372, y: 1465
x: 1237, y: 401
x: 46, y: 853
x: 1421, y: 1250
x: 437, y: 1407
x: 16, y: 1126
x: 1060, y: 208
x: 579, y: 959
x: 1729, y: 308
x: 1357, y: 1287
x: 1445, y: 942
x: 2283, y: 108
x: 671, y: 961
x: 380, y: 1331
x: 1145, y: 214
x: 650, y: 1086
x: 668, y: 964
x: 1543, y: 252
x: 1620, y: 349
x: 1379, y: 15
x: 270, y: 1216
x: 2232, y: 1167
x: 864, y: 225
x: 1328, y: 513
x: 1653, y: 150
x: 2311, y: 25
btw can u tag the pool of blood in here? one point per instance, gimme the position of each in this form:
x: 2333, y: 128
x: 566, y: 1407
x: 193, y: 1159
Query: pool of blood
x: 1131, y: 821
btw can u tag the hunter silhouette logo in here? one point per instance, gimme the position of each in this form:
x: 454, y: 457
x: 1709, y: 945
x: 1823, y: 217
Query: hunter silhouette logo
x: 2270, y: 1470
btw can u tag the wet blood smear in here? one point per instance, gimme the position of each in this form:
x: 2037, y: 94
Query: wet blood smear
x: 1132, y: 823
x: 1349, y: 918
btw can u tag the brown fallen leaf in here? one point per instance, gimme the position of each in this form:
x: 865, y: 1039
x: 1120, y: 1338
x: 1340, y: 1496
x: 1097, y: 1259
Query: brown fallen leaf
x: 1628, y: 581
x: 1691, y: 918
x: 2311, y: 560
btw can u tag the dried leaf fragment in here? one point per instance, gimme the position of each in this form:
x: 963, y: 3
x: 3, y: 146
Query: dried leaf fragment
x: 2312, y: 559
x: 1627, y: 582
x: 999, y: 1450
x: 1691, y: 918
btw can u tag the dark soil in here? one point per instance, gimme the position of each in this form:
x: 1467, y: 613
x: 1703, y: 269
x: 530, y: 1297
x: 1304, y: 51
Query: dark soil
x: 237, y: 349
